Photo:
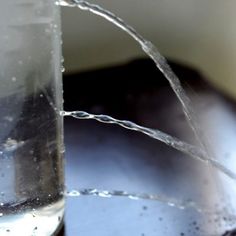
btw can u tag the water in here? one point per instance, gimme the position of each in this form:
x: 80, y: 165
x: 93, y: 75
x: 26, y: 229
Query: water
x: 31, y: 137
x: 153, y: 53
x: 31, y: 171
x: 222, y: 216
x: 24, y: 158
x: 191, y: 150
x: 33, y: 216
x: 182, y: 205
x: 171, y: 202
x: 201, y: 153
x: 175, y: 84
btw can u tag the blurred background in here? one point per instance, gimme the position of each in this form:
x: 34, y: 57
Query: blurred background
x: 199, y: 33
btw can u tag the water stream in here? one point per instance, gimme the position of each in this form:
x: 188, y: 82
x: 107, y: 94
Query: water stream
x: 136, y: 196
x: 150, y: 49
x: 175, y: 84
x: 200, y: 152
x: 191, y: 150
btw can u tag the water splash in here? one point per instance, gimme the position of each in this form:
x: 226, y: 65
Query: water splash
x: 169, y: 140
x: 152, y: 52
x: 171, y: 202
x: 136, y: 196
x: 161, y: 63
x: 163, y: 66
x: 11, y: 145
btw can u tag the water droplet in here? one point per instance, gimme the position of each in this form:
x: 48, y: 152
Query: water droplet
x: 145, y: 208
x: 62, y: 148
x: 12, y: 144
x: 13, y: 79
x: 1, y: 214
x: 171, y: 204
x: 62, y: 3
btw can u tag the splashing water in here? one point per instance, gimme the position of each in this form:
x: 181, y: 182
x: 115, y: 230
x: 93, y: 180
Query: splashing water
x: 135, y: 196
x: 161, y: 63
x: 201, y: 153
x: 171, y: 141
x: 171, y: 202
x: 175, y: 84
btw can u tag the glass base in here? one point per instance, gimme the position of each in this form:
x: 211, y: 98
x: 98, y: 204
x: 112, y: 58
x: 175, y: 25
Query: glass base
x: 43, y: 221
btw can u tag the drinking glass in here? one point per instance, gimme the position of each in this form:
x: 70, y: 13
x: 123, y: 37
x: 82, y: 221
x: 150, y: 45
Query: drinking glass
x: 31, y: 128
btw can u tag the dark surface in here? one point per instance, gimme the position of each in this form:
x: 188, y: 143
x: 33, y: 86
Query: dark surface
x: 62, y: 232
x: 115, y: 90
x: 108, y: 157
x: 230, y: 233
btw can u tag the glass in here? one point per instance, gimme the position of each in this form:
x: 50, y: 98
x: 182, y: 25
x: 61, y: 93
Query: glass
x: 31, y: 129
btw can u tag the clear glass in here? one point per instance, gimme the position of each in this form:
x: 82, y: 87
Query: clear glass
x: 31, y: 129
